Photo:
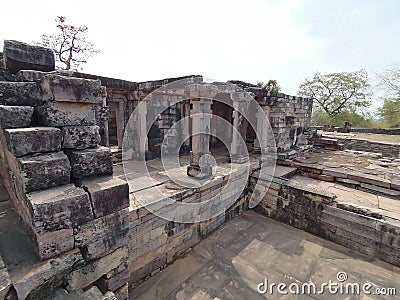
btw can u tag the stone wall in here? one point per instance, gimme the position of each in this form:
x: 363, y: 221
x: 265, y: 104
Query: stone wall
x: 319, y: 213
x: 387, y: 149
x: 156, y: 242
x: 59, y: 181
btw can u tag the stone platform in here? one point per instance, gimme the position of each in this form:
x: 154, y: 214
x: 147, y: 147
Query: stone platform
x: 231, y: 262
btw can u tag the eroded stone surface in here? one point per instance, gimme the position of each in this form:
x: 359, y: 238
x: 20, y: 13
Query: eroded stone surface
x: 23, y: 141
x: 51, y: 244
x: 80, y: 137
x: 58, y: 208
x: 101, y: 236
x: 15, y: 116
x: 20, y: 56
x: 43, y: 171
x: 94, y: 270
x: 64, y: 114
x: 40, y: 280
x: 20, y: 94
x: 72, y: 89
x: 108, y: 194
x: 89, y: 162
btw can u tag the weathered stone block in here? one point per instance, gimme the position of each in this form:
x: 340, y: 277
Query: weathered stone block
x: 101, y: 236
x: 89, y: 162
x: 23, y: 141
x: 29, y: 75
x: 43, y: 171
x: 15, y: 116
x: 72, y: 89
x: 20, y: 56
x: 80, y: 137
x: 94, y: 270
x: 51, y: 244
x: 59, y: 208
x: 20, y: 94
x: 108, y: 194
x: 49, y: 272
x: 64, y: 114
x: 114, y: 279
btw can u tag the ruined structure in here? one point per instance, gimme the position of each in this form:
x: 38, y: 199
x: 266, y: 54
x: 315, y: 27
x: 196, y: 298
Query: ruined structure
x: 89, y: 236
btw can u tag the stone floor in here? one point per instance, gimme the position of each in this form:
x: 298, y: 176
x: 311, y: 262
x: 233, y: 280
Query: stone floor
x: 251, y: 248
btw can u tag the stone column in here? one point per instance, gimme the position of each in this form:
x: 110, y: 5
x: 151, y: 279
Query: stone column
x: 140, y: 143
x: 261, y: 141
x: 238, y: 145
x: 186, y: 126
x: 201, y: 99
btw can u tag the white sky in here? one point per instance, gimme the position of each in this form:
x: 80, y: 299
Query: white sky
x: 286, y: 40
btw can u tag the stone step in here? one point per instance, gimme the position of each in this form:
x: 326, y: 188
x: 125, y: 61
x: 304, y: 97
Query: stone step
x: 20, y: 94
x: 15, y: 116
x: 90, y: 162
x: 39, y: 172
x: 24, y: 141
x: 380, y: 190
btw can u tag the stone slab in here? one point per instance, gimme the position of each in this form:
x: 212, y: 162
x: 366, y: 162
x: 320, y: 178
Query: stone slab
x: 24, y: 141
x: 90, y: 162
x: 370, y: 179
x: 107, y: 194
x: 20, y: 94
x: 88, y: 274
x: 43, y: 171
x: 21, y: 56
x: 72, y: 89
x: 101, y: 236
x: 80, y: 137
x: 15, y: 116
x: 58, y: 208
x: 60, y: 114
x: 50, y: 271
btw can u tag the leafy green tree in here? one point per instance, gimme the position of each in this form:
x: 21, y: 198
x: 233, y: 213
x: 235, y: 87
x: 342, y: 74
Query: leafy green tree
x: 70, y: 44
x: 271, y: 85
x: 390, y: 112
x: 337, y: 92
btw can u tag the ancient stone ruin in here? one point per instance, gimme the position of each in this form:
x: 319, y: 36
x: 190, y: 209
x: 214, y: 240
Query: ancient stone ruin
x: 77, y: 227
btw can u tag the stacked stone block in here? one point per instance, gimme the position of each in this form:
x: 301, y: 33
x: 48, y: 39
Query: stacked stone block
x: 289, y: 118
x: 156, y: 242
x: 317, y: 212
x: 60, y: 183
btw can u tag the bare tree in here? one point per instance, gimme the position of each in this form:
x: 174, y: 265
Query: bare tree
x: 70, y: 45
x: 389, y: 80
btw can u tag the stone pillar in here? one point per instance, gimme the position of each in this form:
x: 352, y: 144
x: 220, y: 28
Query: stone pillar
x: 200, y: 160
x: 186, y: 125
x: 261, y: 141
x: 140, y: 143
x: 238, y: 145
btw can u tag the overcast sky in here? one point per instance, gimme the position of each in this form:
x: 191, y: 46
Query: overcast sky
x: 253, y: 40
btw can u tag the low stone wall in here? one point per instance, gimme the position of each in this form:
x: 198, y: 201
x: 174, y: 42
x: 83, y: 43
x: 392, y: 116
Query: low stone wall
x: 388, y: 131
x: 156, y: 242
x: 319, y: 214
x: 387, y: 149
